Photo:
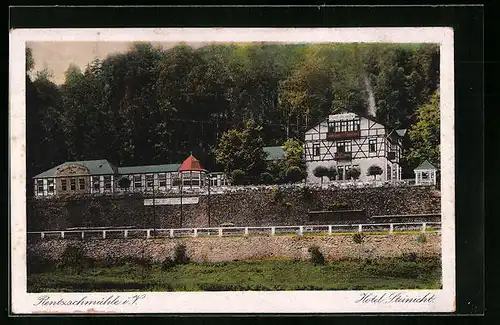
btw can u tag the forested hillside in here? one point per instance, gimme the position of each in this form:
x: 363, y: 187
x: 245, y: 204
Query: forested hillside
x: 155, y: 106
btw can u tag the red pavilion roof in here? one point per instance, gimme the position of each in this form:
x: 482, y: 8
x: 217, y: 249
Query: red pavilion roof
x: 191, y: 164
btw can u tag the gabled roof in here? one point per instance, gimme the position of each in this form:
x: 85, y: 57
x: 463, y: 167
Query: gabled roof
x: 95, y: 167
x: 425, y: 166
x: 401, y: 132
x: 148, y: 169
x: 274, y: 153
x: 190, y: 164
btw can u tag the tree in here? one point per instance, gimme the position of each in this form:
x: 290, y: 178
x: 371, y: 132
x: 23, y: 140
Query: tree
x: 320, y: 172
x: 374, y: 170
x: 294, y: 174
x: 425, y: 134
x: 266, y: 178
x: 242, y: 150
x: 332, y: 173
x: 237, y: 177
x: 353, y: 173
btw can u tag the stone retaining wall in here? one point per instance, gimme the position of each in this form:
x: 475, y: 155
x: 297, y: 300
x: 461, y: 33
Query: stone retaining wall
x: 244, y: 248
x: 252, y: 207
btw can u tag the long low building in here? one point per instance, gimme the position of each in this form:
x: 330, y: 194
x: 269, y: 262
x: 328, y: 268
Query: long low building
x: 100, y: 176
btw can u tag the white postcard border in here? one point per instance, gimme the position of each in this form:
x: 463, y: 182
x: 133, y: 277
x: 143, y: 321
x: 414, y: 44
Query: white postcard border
x: 391, y: 301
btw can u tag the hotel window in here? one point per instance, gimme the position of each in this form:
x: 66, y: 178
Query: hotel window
x: 81, y: 183
x: 149, y: 181
x: 344, y: 146
x: 162, y: 179
x: 96, y: 183
x: 50, y: 185
x: 372, y: 145
x: 72, y: 183
x: 331, y: 127
x: 63, y: 185
x: 137, y: 181
x: 107, y: 182
x: 39, y: 185
x: 316, y: 149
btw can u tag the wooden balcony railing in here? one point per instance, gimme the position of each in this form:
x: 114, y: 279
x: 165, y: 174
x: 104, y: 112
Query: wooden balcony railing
x: 343, y: 156
x: 343, y: 135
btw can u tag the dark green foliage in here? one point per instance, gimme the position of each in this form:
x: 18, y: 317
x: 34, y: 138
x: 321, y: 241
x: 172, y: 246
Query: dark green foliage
x: 180, y: 256
x: 74, y: 257
x: 358, y: 238
x: 321, y: 171
x: 332, y: 173
x: 152, y: 106
x: 374, y: 170
x: 294, y: 174
x: 237, y: 177
x: 353, y: 173
x: 124, y: 182
x: 422, y: 239
x: 266, y: 178
x: 334, y: 206
x: 316, y: 257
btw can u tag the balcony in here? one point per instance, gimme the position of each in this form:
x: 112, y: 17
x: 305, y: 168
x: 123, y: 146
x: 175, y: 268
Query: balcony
x: 343, y: 156
x: 343, y: 135
x: 391, y: 155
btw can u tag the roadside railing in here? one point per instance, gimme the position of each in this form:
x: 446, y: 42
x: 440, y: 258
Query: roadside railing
x: 325, y: 230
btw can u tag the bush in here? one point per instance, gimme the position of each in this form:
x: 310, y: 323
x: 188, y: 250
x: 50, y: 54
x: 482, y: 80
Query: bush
x: 374, y: 170
x: 358, y: 238
x: 294, y: 174
x: 74, y: 257
x: 320, y: 172
x: 277, y: 195
x: 353, y: 173
x: 124, y: 182
x: 421, y: 238
x: 338, y: 206
x: 266, y: 178
x: 332, y: 173
x: 180, y: 256
x: 316, y: 257
x: 409, y: 257
x: 237, y: 177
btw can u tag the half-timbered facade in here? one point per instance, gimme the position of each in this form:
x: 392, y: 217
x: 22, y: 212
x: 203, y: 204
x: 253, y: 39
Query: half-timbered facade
x: 102, y: 177
x: 347, y: 141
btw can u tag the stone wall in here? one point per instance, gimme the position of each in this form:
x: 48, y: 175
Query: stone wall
x: 251, y: 207
x: 244, y: 248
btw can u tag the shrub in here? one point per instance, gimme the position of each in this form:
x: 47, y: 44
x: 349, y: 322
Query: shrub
x: 180, y: 256
x: 74, y: 257
x: 167, y: 264
x: 358, y: 238
x: 332, y: 173
x: 124, y: 182
x: 374, y: 170
x: 338, y: 206
x: 409, y: 257
x: 421, y: 238
x: 353, y: 173
x: 294, y: 174
x: 237, y: 177
x: 320, y: 172
x: 266, y: 178
x: 316, y: 257
x: 277, y: 195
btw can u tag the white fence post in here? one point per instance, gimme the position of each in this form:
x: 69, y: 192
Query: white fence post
x: 125, y: 233
x: 195, y: 234
x: 42, y: 235
x: 329, y: 230
x: 391, y: 228
x: 246, y: 231
x: 220, y: 232
x: 83, y: 234
x: 424, y: 226
x: 148, y: 233
x: 104, y: 234
x: 273, y: 231
x: 171, y: 233
x: 360, y: 228
x: 62, y: 234
x: 301, y: 230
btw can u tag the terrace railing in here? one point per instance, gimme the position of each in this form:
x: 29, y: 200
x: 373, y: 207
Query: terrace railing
x: 309, y: 230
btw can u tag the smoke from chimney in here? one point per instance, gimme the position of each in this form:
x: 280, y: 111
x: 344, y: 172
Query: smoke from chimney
x: 372, y: 109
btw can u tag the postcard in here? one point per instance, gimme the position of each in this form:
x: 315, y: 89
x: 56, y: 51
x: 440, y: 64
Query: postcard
x: 232, y: 170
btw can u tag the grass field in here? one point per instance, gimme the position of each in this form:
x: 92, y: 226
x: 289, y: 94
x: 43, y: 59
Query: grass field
x: 388, y: 273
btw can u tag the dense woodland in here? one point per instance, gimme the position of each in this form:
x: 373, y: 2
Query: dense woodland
x: 155, y: 106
